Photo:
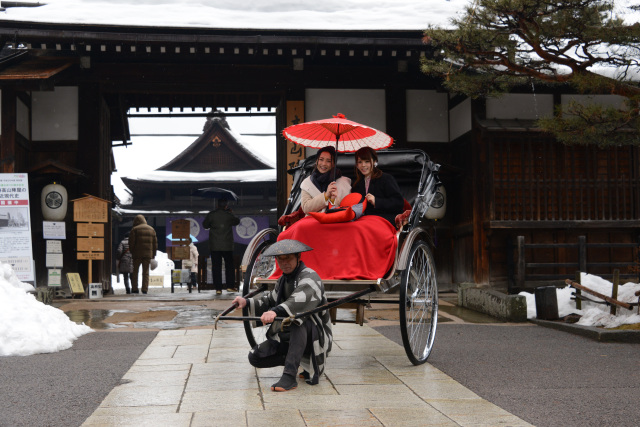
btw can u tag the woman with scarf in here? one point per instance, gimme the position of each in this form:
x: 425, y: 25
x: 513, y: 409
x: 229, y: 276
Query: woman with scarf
x: 319, y: 189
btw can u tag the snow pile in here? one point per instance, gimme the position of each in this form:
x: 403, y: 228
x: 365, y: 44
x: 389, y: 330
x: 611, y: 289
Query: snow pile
x: 28, y: 326
x: 593, y: 314
x: 164, y: 267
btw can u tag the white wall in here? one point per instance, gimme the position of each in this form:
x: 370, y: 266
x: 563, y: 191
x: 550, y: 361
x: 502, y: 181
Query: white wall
x: 427, y: 116
x: 55, y: 114
x: 520, y: 106
x: 365, y: 106
x: 22, y: 119
x: 460, y: 119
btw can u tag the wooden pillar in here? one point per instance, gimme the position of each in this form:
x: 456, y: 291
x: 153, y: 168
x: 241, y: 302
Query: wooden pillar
x: 8, y: 130
x: 481, y: 172
x: 94, y: 158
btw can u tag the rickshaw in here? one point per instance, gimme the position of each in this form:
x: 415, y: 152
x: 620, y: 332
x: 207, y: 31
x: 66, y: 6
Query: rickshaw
x: 413, y: 270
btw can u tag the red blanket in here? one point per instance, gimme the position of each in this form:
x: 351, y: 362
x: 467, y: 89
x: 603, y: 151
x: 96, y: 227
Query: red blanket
x: 361, y: 249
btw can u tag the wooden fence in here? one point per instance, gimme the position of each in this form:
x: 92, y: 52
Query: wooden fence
x: 526, y: 271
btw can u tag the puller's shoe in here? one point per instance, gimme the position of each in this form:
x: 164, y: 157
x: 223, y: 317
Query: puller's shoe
x: 286, y: 383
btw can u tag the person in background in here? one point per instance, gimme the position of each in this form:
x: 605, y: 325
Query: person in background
x: 125, y: 262
x: 305, y: 341
x: 318, y: 189
x: 381, y: 189
x: 220, y: 222
x: 193, y: 258
x: 143, y: 245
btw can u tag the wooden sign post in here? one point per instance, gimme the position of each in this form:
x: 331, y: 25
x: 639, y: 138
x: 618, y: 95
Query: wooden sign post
x: 180, y: 240
x: 90, y: 213
x: 180, y: 232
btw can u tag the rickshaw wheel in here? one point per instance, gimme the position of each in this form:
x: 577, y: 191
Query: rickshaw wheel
x: 419, y: 304
x: 260, y: 266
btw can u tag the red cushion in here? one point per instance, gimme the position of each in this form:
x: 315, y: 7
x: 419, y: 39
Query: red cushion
x: 345, y: 215
x: 352, y: 199
x: 329, y: 218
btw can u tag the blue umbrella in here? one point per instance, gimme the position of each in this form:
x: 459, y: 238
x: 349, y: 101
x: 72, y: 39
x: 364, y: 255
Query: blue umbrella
x: 216, y: 193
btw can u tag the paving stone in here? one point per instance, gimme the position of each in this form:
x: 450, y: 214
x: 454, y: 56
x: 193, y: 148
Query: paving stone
x: 344, y: 417
x: 280, y: 417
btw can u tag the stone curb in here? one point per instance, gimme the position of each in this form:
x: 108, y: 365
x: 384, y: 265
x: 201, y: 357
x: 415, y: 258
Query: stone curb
x: 591, y: 332
x: 510, y: 308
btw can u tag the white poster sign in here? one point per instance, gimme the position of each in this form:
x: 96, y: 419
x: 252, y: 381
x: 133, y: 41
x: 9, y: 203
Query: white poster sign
x: 54, y: 246
x: 54, y: 230
x: 15, y: 226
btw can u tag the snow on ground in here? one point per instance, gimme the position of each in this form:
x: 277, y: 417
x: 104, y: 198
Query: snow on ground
x: 165, y: 265
x: 593, y: 314
x: 28, y: 326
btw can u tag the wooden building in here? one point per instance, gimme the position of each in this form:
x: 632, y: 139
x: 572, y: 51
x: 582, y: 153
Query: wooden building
x: 66, y: 90
x: 215, y: 159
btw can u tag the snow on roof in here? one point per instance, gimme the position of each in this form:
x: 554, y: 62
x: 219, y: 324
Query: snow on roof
x: 232, y: 176
x: 248, y: 148
x: 274, y: 14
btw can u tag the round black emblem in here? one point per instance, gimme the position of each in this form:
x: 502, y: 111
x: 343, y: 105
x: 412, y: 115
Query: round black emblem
x: 53, y: 200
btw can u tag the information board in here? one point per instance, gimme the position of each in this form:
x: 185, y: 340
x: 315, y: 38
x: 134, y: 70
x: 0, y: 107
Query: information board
x: 90, y: 230
x: 75, y: 283
x: 90, y: 209
x: 90, y: 244
x: 15, y: 227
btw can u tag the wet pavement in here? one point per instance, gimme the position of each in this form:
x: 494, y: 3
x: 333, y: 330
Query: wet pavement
x: 192, y: 375
x: 162, y: 310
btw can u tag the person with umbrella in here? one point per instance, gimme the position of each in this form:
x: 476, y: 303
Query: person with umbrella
x: 325, y: 184
x: 220, y: 222
x: 306, y: 341
x: 380, y: 189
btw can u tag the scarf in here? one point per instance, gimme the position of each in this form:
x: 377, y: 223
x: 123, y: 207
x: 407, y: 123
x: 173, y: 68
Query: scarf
x: 322, y: 180
x: 286, y: 278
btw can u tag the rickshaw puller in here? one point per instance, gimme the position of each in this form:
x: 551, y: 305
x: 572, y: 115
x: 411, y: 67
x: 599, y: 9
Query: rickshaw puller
x: 307, y: 341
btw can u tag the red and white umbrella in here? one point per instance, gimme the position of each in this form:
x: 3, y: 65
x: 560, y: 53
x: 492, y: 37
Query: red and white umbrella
x: 345, y: 135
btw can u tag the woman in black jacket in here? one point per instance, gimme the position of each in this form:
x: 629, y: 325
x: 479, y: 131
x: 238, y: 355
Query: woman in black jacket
x: 381, y: 189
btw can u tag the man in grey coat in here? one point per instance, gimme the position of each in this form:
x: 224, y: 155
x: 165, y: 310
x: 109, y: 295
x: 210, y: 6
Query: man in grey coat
x: 220, y: 223
x: 306, y: 341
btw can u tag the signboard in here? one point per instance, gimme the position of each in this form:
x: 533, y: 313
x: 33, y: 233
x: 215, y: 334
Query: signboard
x: 54, y: 230
x: 90, y: 230
x: 180, y: 252
x: 180, y: 229
x: 156, y: 281
x: 180, y: 276
x: 53, y: 260
x: 295, y: 152
x: 54, y: 247
x: 90, y: 244
x: 55, y: 277
x: 90, y: 209
x: 75, y: 283
x: 90, y: 255
x: 15, y: 227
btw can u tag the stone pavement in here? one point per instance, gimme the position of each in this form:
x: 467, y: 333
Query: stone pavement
x: 201, y: 377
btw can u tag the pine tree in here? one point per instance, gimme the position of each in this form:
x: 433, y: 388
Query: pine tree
x: 498, y: 45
